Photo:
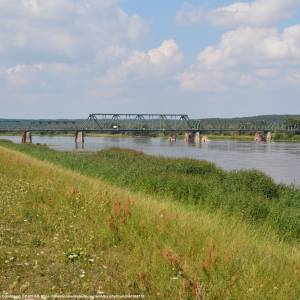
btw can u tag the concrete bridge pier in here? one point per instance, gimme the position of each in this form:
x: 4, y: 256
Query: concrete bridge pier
x: 27, y: 137
x: 186, y: 137
x: 172, y: 138
x: 258, y: 137
x: 204, y: 139
x: 269, y: 137
x: 197, y: 138
x: 79, y: 137
x: 263, y: 137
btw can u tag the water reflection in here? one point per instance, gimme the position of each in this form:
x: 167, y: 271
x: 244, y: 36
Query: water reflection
x: 79, y: 146
x: 280, y: 160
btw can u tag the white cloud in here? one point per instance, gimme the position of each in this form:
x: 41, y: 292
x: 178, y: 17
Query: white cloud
x: 38, y: 31
x: 45, y: 77
x: 110, y: 54
x: 161, y: 60
x: 21, y: 75
x: 246, y: 57
x: 130, y: 70
x: 156, y: 66
x: 61, y: 46
x: 256, y: 13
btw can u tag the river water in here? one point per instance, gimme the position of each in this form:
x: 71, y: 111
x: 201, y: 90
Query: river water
x: 279, y: 160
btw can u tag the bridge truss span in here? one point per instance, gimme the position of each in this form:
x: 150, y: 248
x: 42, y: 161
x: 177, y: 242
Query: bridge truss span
x: 138, y: 122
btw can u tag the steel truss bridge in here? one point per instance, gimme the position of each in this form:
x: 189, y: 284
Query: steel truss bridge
x: 139, y: 124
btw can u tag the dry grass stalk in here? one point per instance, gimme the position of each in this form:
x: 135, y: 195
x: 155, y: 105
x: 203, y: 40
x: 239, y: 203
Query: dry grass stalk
x: 209, y: 259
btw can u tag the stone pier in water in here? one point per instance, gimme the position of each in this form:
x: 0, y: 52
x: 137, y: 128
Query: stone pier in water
x: 79, y: 137
x: 204, y: 139
x: 27, y: 137
x: 172, y: 138
x: 269, y: 137
x: 195, y: 137
x: 263, y: 137
x: 188, y: 137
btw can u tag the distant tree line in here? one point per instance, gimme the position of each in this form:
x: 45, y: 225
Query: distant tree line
x: 259, y: 122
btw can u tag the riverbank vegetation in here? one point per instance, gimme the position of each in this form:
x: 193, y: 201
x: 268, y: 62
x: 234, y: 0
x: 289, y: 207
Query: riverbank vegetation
x: 231, y: 137
x: 250, y: 195
x: 284, y: 137
x: 276, y: 137
x: 65, y: 233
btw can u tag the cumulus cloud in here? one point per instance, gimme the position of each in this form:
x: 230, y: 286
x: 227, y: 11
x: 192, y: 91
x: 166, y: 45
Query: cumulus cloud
x: 246, y: 57
x: 63, y: 30
x: 21, y: 75
x: 130, y: 70
x: 45, y: 78
x: 256, y: 13
x: 141, y: 68
x: 60, y: 46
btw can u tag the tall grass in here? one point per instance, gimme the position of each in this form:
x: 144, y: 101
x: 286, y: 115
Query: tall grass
x: 63, y: 233
x: 251, y: 195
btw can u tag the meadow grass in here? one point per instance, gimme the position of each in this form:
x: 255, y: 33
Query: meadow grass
x: 250, y: 195
x: 62, y: 232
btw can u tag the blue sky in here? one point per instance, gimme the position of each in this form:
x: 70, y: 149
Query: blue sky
x: 161, y: 17
x: 69, y: 58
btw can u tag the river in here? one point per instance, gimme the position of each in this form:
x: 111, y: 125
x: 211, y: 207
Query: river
x: 279, y: 160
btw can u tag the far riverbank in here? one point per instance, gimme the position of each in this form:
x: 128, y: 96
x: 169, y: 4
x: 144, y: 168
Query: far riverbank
x: 277, y: 137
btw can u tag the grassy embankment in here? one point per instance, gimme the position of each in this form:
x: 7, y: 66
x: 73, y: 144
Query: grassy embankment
x: 63, y: 232
x: 250, y: 195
